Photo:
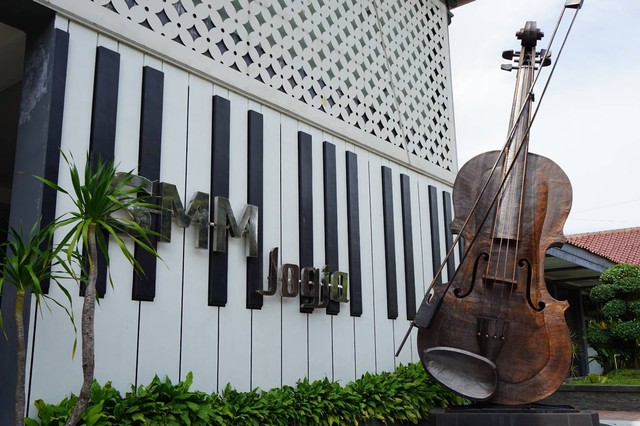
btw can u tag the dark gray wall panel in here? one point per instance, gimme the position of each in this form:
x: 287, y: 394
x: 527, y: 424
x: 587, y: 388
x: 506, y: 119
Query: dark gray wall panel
x: 37, y: 153
x: 54, y: 139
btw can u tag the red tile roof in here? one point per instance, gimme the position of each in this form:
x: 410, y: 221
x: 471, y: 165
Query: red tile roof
x: 617, y: 245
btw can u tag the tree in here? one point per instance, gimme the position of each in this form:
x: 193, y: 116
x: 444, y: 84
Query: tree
x: 617, y: 331
x: 28, y: 261
x: 103, y: 203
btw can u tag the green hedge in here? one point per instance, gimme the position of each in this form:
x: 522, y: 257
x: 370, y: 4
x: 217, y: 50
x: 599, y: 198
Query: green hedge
x: 405, y: 396
x: 613, y: 378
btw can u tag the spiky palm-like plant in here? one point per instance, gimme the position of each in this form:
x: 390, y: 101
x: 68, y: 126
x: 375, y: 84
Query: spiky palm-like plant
x: 103, y: 201
x: 28, y: 261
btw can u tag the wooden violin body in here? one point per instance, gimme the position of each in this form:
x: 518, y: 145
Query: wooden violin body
x: 493, y: 331
x: 486, y: 311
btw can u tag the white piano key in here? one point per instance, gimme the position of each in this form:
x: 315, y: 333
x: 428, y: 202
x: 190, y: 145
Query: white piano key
x: 116, y: 320
x: 199, y: 347
x: 266, y: 334
x: 159, y: 338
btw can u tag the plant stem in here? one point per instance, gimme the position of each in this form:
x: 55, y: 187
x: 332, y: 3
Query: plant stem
x: 21, y: 358
x: 88, y: 312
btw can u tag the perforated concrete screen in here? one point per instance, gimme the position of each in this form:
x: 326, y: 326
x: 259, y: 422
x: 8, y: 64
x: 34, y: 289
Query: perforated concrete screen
x: 380, y: 66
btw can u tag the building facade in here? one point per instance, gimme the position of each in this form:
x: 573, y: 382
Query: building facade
x: 311, y: 140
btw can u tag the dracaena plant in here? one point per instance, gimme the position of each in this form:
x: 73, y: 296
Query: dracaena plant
x: 28, y: 261
x: 103, y: 200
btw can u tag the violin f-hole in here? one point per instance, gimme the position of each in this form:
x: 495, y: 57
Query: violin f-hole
x: 484, y: 256
x: 524, y: 263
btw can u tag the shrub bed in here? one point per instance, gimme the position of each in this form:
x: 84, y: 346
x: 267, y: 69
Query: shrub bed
x: 614, y: 377
x: 403, y: 396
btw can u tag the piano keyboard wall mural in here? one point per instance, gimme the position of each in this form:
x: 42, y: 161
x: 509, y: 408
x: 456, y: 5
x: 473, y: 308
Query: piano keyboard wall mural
x: 327, y: 211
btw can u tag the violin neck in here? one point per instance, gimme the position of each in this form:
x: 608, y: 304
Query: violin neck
x: 514, y: 167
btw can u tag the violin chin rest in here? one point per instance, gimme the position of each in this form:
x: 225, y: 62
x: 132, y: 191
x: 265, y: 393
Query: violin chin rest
x: 465, y: 373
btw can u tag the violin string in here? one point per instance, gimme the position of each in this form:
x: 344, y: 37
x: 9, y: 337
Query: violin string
x: 522, y: 195
x: 523, y: 177
x: 499, y: 159
x: 546, y: 85
x: 518, y: 140
x: 506, y: 205
x: 521, y: 172
x: 547, y: 52
x: 520, y: 215
x: 498, y: 227
x: 505, y: 213
x: 530, y: 95
x: 511, y: 182
x: 456, y: 243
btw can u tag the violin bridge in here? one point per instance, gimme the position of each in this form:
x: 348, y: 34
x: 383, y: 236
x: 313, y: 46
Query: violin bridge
x: 493, y: 279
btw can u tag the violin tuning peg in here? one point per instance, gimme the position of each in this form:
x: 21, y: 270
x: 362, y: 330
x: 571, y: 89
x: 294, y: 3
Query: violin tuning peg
x: 543, y: 52
x: 508, y: 54
x: 508, y: 67
x: 573, y: 4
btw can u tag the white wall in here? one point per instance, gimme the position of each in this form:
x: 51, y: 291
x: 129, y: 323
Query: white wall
x: 178, y: 332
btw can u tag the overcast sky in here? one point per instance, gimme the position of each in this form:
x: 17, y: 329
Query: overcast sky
x: 589, y: 120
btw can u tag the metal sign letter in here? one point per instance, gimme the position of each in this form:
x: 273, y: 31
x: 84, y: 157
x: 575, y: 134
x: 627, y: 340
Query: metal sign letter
x: 172, y: 207
x: 225, y: 219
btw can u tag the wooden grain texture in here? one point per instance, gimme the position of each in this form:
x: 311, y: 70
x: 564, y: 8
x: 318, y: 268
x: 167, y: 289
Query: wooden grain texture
x: 501, y: 281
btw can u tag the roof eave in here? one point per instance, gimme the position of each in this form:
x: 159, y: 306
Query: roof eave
x: 452, y: 4
x: 581, y: 257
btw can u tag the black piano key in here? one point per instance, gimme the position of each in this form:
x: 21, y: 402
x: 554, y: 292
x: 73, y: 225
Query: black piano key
x: 330, y: 216
x: 407, y: 233
x: 255, y: 140
x: 353, y: 231
x: 389, y: 243
x: 218, y: 265
x: 54, y: 137
x: 102, y: 137
x: 305, y: 207
x: 448, y: 235
x: 144, y: 285
x: 436, y: 258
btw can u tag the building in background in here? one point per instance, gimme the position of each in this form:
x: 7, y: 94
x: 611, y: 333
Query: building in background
x: 574, y: 269
x: 333, y: 118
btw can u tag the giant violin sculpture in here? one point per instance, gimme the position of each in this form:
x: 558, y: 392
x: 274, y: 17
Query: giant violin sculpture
x: 493, y: 332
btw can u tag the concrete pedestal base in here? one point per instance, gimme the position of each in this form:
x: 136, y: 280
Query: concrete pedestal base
x: 529, y: 415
